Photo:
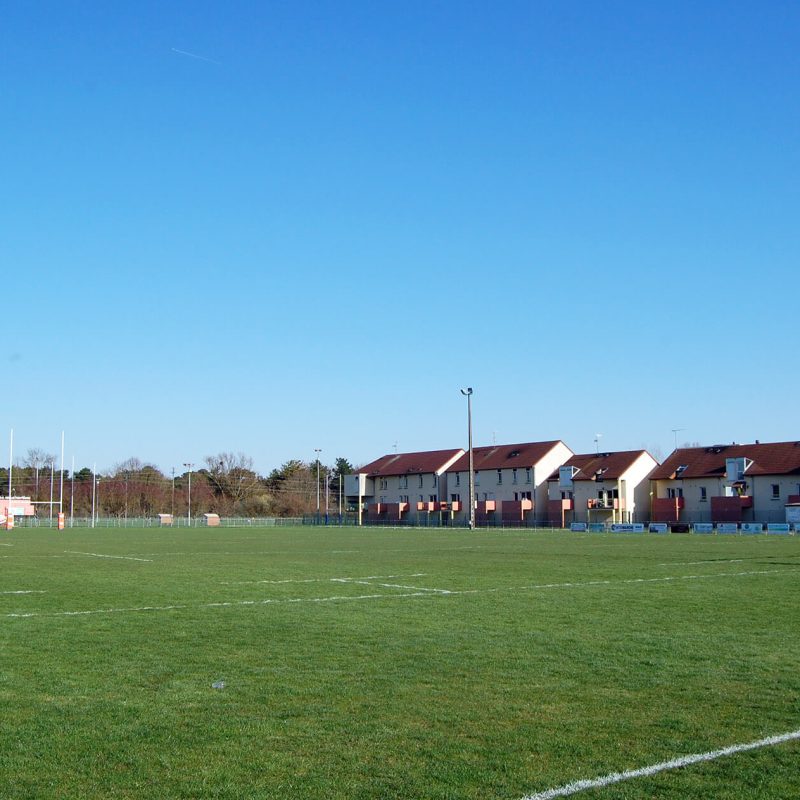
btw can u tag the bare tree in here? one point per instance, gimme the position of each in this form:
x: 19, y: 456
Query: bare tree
x: 36, y: 458
x: 233, y: 478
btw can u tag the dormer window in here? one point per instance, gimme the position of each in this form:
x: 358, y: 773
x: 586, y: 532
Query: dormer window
x: 681, y: 469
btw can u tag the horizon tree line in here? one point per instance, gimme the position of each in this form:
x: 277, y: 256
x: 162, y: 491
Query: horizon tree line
x: 226, y: 484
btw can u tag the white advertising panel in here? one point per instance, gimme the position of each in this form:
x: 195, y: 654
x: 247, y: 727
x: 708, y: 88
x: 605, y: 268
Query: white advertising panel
x: 727, y: 527
x: 778, y: 527
x: 658, y: 527
x: 752, y: 527
x: 579, y: 527
x: 627, y: 527
x: 703, y: 527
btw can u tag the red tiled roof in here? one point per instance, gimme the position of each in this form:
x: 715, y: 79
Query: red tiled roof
x: 777, y: 458
x: 407, y: 463
x: 505, y: 456
x: 614, y: 465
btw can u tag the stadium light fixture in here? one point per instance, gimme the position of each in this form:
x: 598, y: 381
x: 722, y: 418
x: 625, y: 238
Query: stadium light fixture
x: 468, y: 394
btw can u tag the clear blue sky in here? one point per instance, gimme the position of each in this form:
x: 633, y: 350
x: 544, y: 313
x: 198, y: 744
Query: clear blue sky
x: 315, y: 223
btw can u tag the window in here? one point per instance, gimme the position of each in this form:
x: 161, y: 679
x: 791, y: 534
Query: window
x: 703, y: 494
x: 776, y: 491
x: 522, y: 496
x: 527, y: 474
x: 477, y: 478
x: 673, y: 493
x: 420, y: 481
x: 566, y: 495
x: 435, y: 480
x: 383, y: 483
x: 455, y: 498
x: 514, y: 475
x: 499, y: 477
x: 458, y: 479
x: 404, y: 481
x: 432, y: 498
x: 403, y: 498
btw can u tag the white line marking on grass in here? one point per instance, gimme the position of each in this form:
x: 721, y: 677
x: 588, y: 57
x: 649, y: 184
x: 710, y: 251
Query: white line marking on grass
x: 103, y: 555
x: 676, y: 763
x: 95, y: 611
x: 26, y: 591
x: 323, y: 580
x: 427, y: 593
x: 391, y: 585
x: 707, y: 561
x: 6, y: 544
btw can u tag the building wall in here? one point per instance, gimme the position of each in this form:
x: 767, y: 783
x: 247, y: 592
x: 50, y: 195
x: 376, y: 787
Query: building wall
x: 638, y: 487
x: 765, y: 507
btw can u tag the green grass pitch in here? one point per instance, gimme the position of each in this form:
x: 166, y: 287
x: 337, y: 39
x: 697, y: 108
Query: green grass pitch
x: 367, y: 663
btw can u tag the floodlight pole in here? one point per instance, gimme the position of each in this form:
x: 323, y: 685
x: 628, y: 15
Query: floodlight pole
x: 189, y: 517
x: 317, y: 450
x: 468, y: 394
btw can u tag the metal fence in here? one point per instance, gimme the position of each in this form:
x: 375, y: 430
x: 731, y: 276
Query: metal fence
x: 154, y: 522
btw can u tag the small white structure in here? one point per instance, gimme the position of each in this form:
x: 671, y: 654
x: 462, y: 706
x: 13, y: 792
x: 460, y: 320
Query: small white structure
x: 211, y: 520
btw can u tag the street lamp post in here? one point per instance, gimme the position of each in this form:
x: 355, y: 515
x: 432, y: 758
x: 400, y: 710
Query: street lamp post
x: 317, y: 450
x: 190, y: 466
x: 468, y: 394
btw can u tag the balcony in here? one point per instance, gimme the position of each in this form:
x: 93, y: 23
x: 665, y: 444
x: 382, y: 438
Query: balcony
x: 611, y: 504
x: 514, y: 510
x: 426, y: 506
x: 486, y: 506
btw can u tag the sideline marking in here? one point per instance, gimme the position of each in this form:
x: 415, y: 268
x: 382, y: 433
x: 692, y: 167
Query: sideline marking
x: 103, y: 555
x: 707, y: 561
x: 675, y: 763
x: 324, y: 580
x: 26, y: 591
x: 384, y: 596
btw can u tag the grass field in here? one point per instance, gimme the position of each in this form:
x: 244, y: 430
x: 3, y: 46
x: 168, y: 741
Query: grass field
x: 394, y: 663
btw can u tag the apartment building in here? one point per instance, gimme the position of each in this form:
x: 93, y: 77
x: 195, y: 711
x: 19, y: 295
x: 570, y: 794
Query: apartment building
x: 510, y: 482
x: 728, y: 483
x: 401, y: 487
x: 601, y: 487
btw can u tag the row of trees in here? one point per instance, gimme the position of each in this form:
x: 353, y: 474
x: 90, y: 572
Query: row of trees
x: 225, y: 484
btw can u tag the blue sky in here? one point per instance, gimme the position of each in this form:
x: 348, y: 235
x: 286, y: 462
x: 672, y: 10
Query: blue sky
x: 314, y: 223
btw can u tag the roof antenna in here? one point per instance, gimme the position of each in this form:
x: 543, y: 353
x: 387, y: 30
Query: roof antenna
x: 395, y: 448
x: 597, y: 438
